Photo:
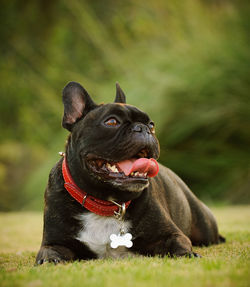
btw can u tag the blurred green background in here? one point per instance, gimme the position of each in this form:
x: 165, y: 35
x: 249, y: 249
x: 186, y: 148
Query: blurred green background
x: 186, y: 63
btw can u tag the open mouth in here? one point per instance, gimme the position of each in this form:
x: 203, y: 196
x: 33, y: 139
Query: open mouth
x: 139, y: 167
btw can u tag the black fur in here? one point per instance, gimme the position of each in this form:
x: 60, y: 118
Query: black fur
x: 166, y: 216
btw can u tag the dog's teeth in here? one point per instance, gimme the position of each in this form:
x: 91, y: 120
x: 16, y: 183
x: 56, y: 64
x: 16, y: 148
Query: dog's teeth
x: 145, y: 174
x: 141, y: 174
x: 137, y: 174
x: 112, y: 168
x: 108, y: 166
x: 132, y: 173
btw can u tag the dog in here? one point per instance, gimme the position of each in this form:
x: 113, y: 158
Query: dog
x: 108, y: 196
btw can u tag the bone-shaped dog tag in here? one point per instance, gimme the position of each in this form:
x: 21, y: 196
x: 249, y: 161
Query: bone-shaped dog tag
x: 121, y: 240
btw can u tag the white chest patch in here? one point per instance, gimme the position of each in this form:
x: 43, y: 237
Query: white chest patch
x: 96, y: 231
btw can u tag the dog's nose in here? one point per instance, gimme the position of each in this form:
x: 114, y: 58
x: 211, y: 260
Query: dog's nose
x: 139, y: 127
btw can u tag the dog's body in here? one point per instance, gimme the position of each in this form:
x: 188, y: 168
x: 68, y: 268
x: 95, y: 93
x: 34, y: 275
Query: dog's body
x: 106, y: 143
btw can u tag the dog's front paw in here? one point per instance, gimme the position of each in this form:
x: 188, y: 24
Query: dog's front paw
x: 48, y: 260
x: 193, y: 255
x: 186, y: 254
x: 53, y: 254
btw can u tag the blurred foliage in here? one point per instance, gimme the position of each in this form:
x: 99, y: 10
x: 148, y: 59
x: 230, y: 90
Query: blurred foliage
x: 185, y: 62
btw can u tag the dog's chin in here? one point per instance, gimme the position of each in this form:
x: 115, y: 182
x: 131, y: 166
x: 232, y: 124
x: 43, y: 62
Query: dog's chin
x: 132, y: 187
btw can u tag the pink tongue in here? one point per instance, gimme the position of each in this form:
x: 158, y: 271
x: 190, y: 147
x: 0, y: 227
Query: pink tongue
x: 141, y: 165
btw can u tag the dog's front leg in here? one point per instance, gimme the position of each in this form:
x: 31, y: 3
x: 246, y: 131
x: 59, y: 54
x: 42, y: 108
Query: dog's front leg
x: 179, y: 245
x: 54, y: 254
x: 175, y: 244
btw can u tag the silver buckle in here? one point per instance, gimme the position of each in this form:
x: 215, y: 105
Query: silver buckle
x: 121, y: 212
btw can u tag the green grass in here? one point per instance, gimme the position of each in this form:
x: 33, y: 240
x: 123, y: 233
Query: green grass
x: 221, y: 265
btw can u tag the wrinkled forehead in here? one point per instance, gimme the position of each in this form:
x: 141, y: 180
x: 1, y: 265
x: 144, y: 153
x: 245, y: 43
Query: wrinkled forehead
x: 123, y: 111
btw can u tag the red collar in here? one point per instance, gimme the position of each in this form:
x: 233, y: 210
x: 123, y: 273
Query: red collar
x: 97, y: 206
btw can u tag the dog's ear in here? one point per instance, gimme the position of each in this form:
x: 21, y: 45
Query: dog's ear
x: 120, y: 96
x: 77, y: 103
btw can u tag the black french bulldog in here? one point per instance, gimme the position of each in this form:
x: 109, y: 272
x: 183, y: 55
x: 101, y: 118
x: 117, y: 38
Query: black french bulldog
x: 105, y: 198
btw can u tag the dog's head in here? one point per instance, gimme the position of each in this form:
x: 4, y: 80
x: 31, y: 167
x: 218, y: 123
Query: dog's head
x: 111, y: 148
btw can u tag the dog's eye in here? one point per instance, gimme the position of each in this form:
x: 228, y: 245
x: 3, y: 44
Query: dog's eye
x: 112, y: 122
x: 151, y: 125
